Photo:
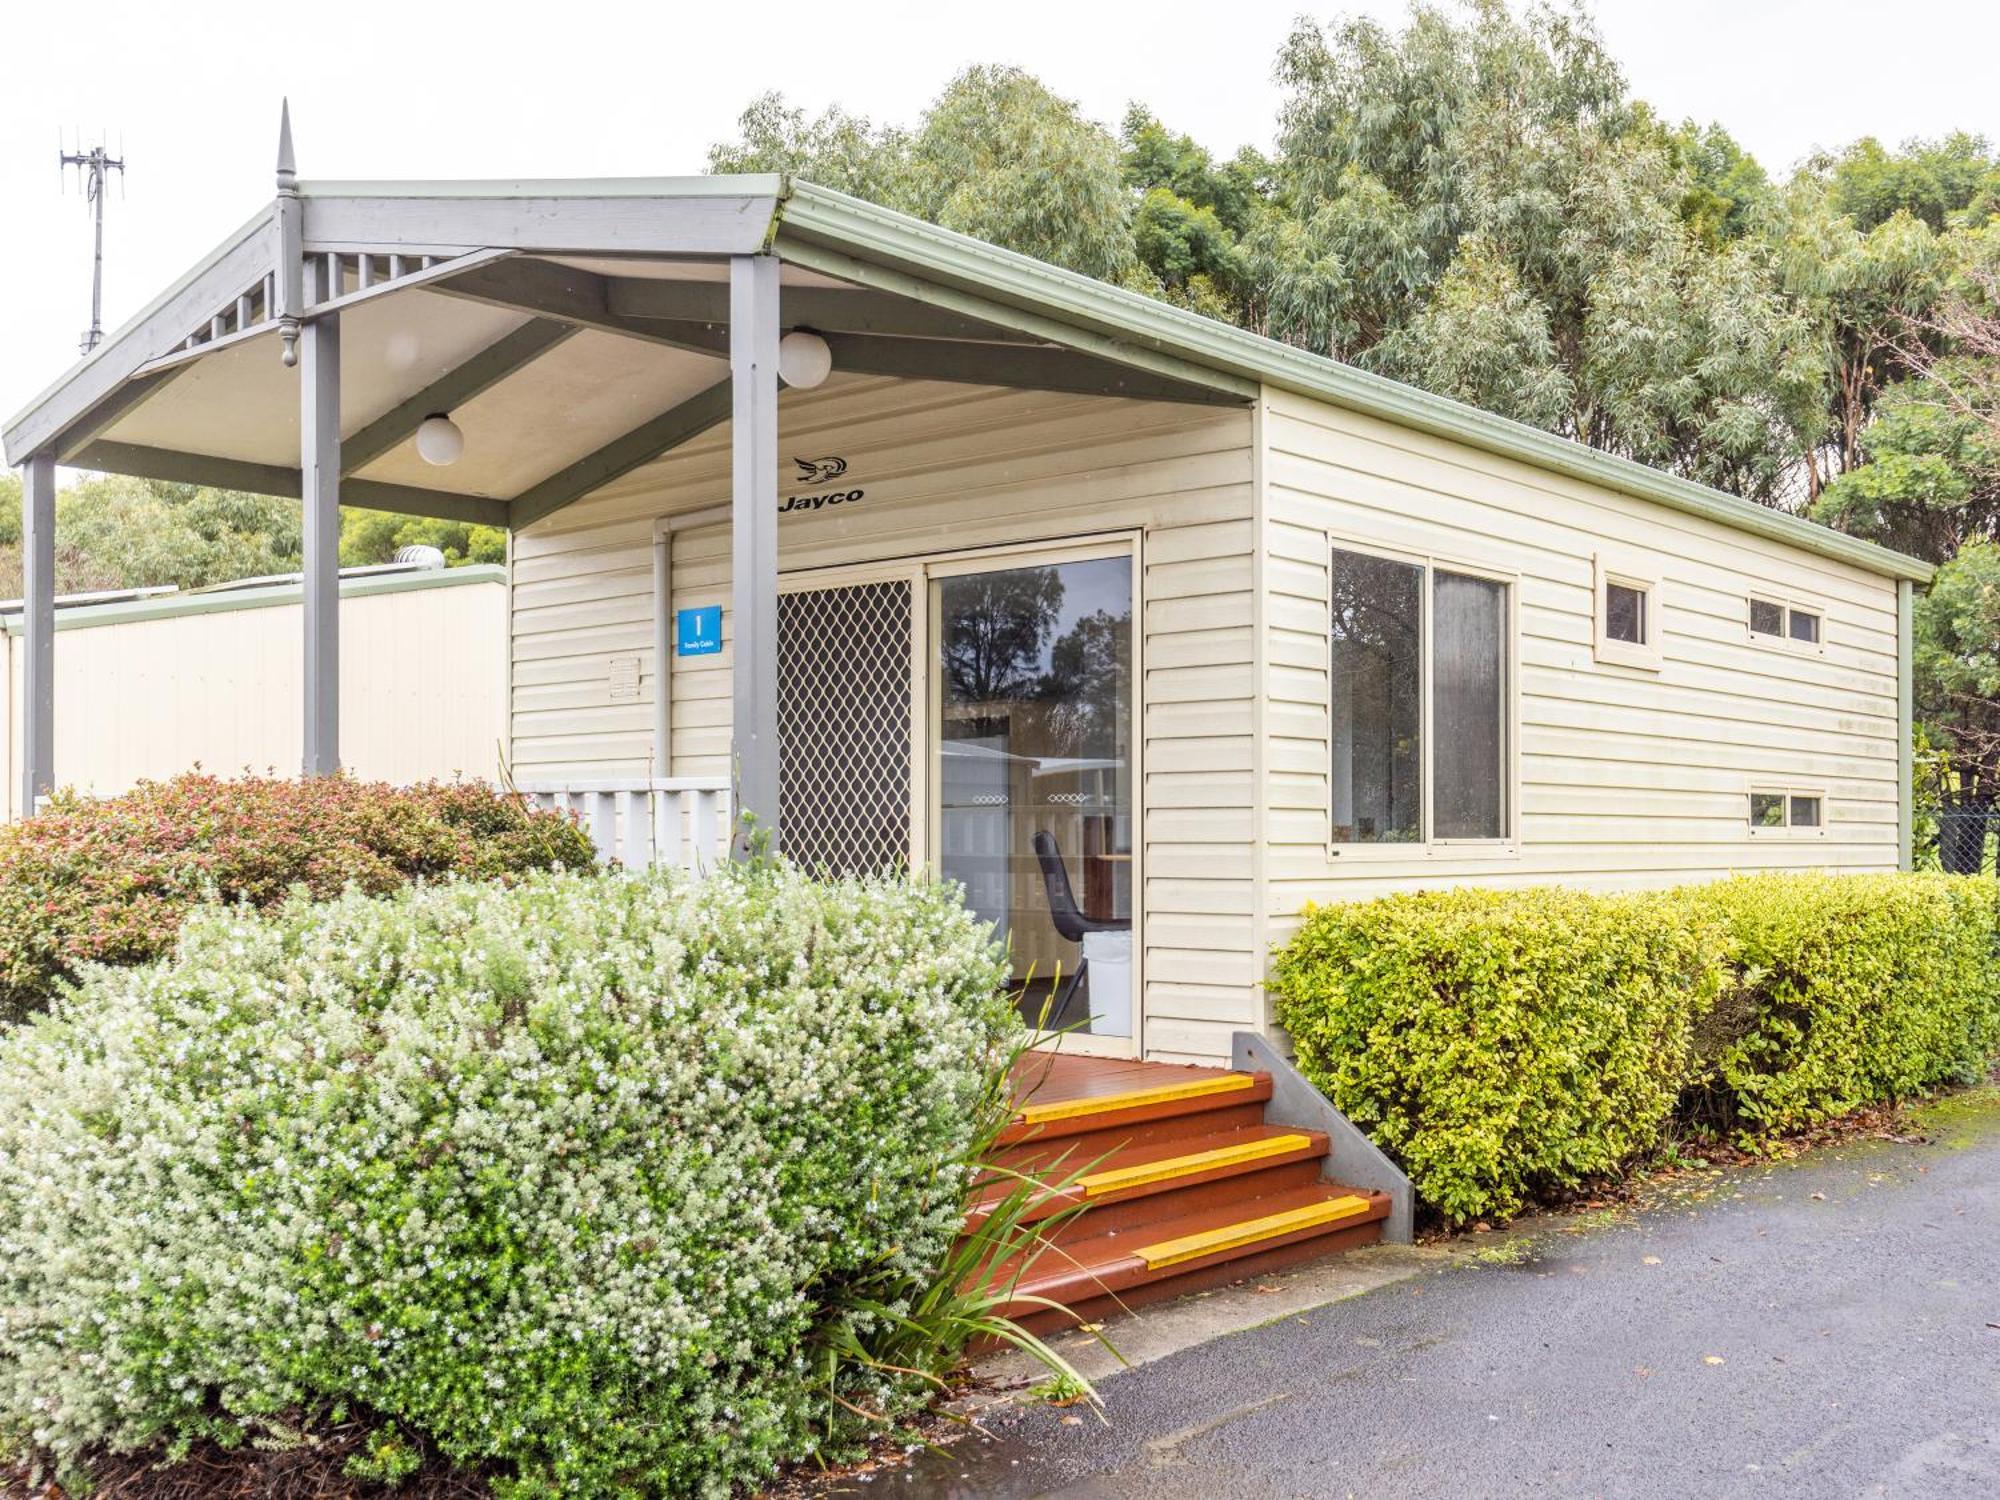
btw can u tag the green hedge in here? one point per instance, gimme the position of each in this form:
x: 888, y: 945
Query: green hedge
x: 1501, y: 1044
x: 109, y: 880
x: 568, y: 1177
x: 1847, y: 991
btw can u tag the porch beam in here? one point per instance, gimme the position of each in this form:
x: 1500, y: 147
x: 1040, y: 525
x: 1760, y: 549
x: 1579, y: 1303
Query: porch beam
x: 271, y: 479
x: 1024, y: 367
x: 822, y: 309
x: 38, y: 629
x: 319, y: 487
x: 837, y: 263
x: 684, y: 216
x: 571, y: 296
x: 753, y: 554
x: 484, y: 370
x: 621, y: 455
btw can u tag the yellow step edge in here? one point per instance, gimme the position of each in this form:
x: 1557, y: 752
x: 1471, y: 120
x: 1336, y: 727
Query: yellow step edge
x: 1102, y: 1104
x: 1095, y: 1184
x: 1249, y: 1232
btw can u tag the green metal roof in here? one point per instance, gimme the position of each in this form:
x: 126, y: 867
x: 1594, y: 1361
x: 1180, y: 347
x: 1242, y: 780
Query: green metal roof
x: 813, y: 218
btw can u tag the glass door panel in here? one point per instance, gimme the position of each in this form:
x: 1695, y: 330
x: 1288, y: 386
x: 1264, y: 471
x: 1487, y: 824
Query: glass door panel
x: 1035, y: 783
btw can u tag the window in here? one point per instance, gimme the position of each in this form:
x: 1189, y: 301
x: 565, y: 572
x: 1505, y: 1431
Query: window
x: 1625, y: 613
x: 1786, y: 620
x: 1421, y: 706
x: 1789, y: 809
x: 1628, y: 616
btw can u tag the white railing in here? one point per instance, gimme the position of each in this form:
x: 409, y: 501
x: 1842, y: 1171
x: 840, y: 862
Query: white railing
x: 646, y: 820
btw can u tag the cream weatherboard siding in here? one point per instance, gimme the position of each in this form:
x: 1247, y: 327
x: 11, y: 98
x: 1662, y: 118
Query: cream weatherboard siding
x: 155, y: 687
x: 1625, y: 777
x: 949, y: 468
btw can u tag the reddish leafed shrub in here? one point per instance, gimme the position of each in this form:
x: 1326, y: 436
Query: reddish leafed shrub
x: 108, y: 880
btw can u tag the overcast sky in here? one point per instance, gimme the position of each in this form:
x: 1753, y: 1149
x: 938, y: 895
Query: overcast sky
x: 616, y: 88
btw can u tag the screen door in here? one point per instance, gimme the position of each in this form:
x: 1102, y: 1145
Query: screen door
x: 844, y: 719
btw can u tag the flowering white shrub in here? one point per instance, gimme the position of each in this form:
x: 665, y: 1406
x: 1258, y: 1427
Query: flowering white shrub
x: 564, y: 1175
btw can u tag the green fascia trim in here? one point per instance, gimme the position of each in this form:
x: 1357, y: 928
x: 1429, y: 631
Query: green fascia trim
x: 819, y: 216
x: 227, y: 601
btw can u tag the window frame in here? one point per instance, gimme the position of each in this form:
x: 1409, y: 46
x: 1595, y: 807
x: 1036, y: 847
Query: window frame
x: 1648, y: 654
x: 1788, y: 791
x: 1788, y: 603
x: 1430, y: 846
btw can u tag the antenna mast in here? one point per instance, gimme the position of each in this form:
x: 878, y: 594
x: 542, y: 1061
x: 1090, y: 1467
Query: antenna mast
x: 94, y: 166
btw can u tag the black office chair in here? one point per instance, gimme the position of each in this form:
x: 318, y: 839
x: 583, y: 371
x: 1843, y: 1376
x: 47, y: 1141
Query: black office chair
x: 1070, y: 923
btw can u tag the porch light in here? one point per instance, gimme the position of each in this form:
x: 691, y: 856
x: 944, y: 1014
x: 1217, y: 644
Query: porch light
x: 439, y: 441
x: 804, y: 360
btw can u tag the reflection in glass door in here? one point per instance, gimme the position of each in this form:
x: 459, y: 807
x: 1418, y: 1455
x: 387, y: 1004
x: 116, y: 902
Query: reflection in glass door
x: 1035, y: 777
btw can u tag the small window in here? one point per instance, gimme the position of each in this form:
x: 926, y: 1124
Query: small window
x: 1787, y: 810
x: 1628, y: 616
x: 1786, y: 621
x: 1625, y: 613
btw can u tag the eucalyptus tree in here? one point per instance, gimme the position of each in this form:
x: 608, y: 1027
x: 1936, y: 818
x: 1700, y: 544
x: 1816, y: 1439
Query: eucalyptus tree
x: 1475, y: 204
x: 997, y: 155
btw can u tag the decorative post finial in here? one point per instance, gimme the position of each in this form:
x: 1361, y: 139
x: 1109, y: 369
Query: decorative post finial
x: 288, y: 169
x: 289, y: 279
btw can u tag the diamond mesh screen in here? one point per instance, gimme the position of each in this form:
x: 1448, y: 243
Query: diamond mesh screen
x: 844, y: 727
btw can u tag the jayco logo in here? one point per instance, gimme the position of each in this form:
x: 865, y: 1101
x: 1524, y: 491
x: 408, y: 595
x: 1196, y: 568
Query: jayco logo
x: 820, y: 471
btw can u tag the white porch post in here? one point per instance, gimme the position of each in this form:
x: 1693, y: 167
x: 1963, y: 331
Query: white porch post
x: 38, y: 629
x: 319, y: 492
x: 753, y: 565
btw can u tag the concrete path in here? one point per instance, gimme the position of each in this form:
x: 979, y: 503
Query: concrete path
x: 1823, y: 1328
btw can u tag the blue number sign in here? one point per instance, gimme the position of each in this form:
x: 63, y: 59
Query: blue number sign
x: 699, y: 631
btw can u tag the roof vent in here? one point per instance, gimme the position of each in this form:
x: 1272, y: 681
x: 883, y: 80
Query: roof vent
x: 419, y: 556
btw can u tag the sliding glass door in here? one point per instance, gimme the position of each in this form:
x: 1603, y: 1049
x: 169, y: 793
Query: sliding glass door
x: 1034, y: 772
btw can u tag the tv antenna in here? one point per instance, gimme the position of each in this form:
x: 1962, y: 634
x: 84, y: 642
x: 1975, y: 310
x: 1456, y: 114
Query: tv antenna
x: 93, y: 168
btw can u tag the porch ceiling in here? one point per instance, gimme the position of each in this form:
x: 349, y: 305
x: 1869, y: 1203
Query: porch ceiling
x: 563, y: 371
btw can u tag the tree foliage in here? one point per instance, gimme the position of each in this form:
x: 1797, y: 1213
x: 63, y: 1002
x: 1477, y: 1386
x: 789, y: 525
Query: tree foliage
x: 114, y: 532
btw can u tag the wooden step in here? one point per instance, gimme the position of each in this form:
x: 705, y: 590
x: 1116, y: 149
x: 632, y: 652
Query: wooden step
x: 1092, y: 1270
x: 1120, y: 1103
x: 1154, y: 1167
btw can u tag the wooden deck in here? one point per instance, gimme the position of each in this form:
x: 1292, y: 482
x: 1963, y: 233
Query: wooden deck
x: 1045, y: 1078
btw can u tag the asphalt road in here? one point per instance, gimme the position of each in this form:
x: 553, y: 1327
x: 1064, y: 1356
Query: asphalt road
x: 1822, y: 1328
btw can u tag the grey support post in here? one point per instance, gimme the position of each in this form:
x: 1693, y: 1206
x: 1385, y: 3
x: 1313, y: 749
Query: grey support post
x: 753, y: 562
x: 38, y: 629
x: 319, y: 492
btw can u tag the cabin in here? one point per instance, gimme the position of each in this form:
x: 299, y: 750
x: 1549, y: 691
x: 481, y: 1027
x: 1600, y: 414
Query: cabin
x: 837, y: 533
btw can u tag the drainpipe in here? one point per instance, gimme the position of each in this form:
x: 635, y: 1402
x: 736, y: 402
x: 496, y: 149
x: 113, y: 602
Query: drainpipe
x: 664, y: 531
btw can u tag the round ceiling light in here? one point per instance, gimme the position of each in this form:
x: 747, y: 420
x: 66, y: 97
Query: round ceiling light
x: 804, y: 360
x: 439, y: 440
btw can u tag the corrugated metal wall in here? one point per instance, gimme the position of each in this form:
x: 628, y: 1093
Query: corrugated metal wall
x: 153, y: 688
